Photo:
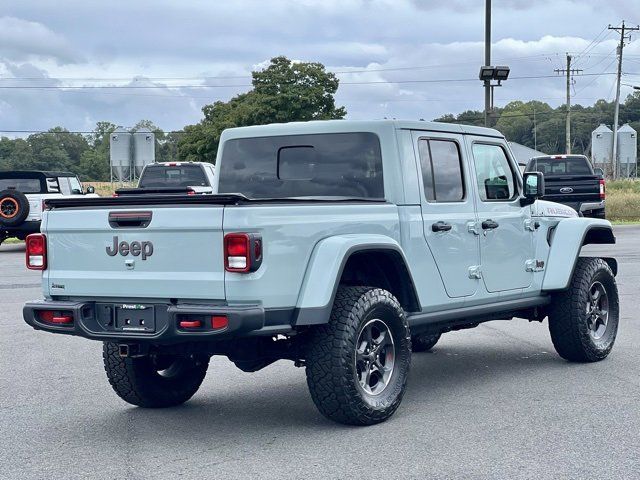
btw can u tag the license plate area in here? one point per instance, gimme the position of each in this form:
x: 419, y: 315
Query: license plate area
x: 135, y: 318
x: 126, y: 317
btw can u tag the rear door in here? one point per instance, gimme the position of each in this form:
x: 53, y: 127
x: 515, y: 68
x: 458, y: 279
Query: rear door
x: 159, y: 252
x: 448, y: 210
x: 506, y: 240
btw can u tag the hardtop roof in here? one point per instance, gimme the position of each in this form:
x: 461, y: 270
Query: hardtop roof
x: 34, y: 174
x: 345, y: 126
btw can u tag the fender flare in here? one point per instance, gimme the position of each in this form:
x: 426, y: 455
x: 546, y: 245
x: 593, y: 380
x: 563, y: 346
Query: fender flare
x: 570, y: 235
x: 325, y: 268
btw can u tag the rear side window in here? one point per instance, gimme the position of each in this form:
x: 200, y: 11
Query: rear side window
x: 328, y: 165
x: 24, y: 185
x: 496, y: 179
x: 559, y: 166
x: 442, y: 174
x: 173, y: 176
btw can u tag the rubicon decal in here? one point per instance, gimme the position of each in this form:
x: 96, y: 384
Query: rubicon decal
x: 135, y: 248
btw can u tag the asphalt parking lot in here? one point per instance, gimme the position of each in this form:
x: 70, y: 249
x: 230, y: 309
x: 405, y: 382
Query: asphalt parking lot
x: 493, y: 402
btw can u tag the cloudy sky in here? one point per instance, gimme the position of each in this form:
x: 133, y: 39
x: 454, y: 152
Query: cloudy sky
x: 392, y: 55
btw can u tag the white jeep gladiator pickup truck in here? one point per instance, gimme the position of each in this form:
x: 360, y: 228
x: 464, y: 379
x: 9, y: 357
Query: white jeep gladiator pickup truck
x: 342, y: 246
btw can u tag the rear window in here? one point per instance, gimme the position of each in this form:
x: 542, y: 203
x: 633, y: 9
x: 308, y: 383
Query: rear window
x: 559, y: 166
x: 24, y: 185
x: 329, y: 165
x: 173, y: 176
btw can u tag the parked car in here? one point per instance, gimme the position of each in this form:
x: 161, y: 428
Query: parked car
x: 341, y: 246
x: 572, y: 181
x: 22, y: 194
x: 193, y: 178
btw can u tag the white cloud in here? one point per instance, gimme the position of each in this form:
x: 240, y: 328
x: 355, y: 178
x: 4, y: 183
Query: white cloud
x: 191, y: 38
x: 22, y: 40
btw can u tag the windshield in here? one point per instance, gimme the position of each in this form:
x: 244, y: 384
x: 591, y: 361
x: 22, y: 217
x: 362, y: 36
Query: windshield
x: 173, y: 176
x: 559, y: 166
x: 322, y: 165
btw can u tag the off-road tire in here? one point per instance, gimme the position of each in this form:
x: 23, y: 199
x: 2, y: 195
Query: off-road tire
x: 568, y: 319
x: 423, y: 342
x: 14, y: 208
x: 331, y: 357
x: 138, y: 382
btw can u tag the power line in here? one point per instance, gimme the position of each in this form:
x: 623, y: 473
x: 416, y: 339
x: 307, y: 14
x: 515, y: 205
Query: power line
x: 371, y: 82
x: 558, y: 111
x: 137, y: 77
x: 570, y: 72
x: 622, y: 30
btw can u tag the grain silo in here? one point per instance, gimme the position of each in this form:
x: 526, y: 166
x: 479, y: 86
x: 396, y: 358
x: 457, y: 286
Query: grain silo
x: 144, y: 150
x: 627, y: 150
x: 120, y: 155
x: 601, y: 146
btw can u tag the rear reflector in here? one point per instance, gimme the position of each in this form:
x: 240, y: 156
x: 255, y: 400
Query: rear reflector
x: 219, y: 321
x: 36, y: 252
x: 190, y: 323
x: 55, y: 317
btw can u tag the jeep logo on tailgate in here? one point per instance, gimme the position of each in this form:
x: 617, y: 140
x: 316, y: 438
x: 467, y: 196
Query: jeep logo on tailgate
x: 134, y: 248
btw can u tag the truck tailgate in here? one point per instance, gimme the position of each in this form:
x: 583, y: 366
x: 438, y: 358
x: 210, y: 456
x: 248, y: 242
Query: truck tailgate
x: 572, y: 189
x: 178, y: 254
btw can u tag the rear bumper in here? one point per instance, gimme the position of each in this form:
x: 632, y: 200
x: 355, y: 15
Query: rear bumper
x: 88, y: 322
x: 589, y: 206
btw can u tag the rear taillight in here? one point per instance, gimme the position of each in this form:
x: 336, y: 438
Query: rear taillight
x: 602, y: 190
x: 36, y: 256
x: 191, y: 191
x: 242, y: 252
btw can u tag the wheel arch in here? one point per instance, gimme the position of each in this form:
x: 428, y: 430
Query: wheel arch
x: 369, y: 260
x: 569, y: 237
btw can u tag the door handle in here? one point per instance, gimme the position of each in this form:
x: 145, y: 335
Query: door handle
x: 489, y: 224
x: 440, y: 227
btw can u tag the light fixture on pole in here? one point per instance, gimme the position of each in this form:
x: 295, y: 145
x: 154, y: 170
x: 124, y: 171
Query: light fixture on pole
x: 497, y: 73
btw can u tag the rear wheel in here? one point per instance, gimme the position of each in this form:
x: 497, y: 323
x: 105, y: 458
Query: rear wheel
x: 357, y: 364
x: 153, y: 381
x: 583, y: 320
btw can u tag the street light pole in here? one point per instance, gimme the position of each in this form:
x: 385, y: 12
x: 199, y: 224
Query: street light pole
x: 487, y: 60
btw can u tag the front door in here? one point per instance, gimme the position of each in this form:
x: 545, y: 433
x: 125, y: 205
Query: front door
x: 448, y: 210
x: 506, y: 240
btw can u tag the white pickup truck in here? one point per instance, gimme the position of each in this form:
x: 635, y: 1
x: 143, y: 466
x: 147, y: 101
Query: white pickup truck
x: 191, y: 178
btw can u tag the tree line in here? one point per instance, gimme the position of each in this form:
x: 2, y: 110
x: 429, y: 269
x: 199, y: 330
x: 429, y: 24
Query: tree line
x: 287, y: 91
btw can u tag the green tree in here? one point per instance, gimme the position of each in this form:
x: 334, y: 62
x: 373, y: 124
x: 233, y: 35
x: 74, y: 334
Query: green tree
x: 284, y: 91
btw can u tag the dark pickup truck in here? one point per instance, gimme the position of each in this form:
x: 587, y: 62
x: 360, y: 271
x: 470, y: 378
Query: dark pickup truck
x: 570, y: 180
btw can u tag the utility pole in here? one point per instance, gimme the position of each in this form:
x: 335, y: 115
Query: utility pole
x: 623, y: 30
x: 487, y: 60
x: 569, y: 71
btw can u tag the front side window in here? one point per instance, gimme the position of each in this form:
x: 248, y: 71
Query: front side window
x: 317, y: 165
x: 442, y: 174
x: 496, y: 179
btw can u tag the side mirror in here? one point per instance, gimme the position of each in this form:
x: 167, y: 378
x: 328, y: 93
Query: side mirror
x: 533, y: 187
x: 91, y: 189
x: 598, y: 171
